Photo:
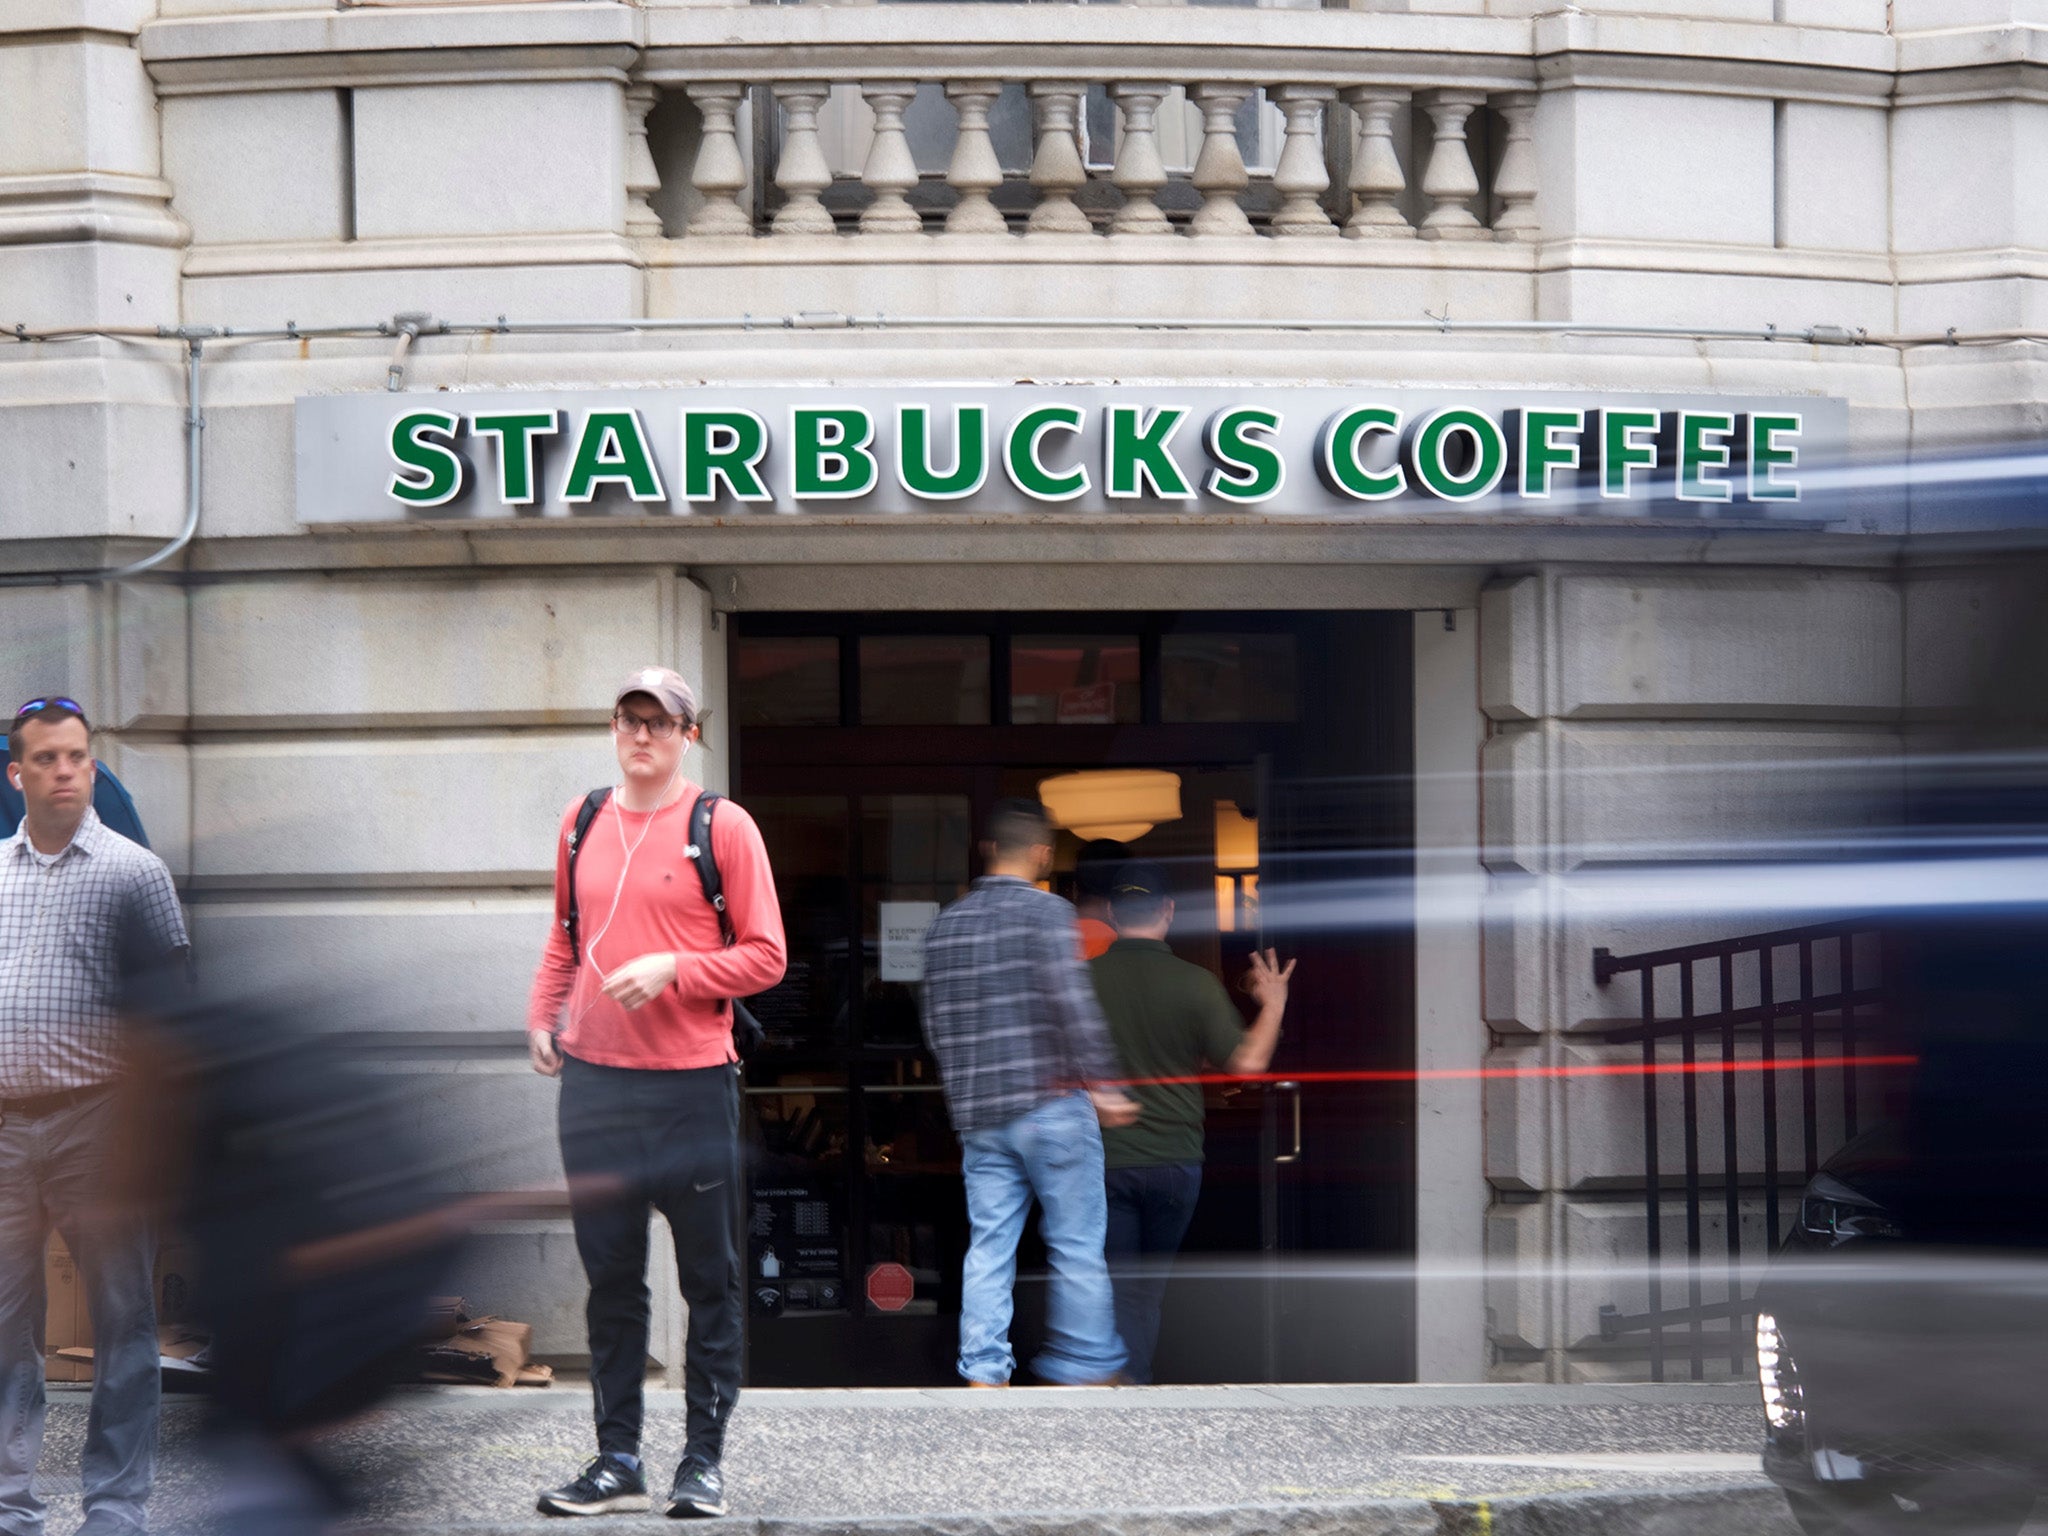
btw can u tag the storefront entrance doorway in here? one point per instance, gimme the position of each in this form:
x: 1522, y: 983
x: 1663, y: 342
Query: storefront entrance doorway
x: 1279, y: 765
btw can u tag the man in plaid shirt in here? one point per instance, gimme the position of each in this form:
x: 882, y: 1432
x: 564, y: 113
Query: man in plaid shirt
x: 78, y: 904
x: 1026, y: 1063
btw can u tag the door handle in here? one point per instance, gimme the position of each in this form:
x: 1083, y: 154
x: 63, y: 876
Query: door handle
x: 1293, y: 1156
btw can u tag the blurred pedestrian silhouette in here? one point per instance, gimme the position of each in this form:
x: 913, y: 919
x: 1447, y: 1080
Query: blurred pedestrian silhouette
x: 317, y: 1233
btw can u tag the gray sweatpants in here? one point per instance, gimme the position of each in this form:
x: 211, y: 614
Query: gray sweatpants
x: 52, y: 1174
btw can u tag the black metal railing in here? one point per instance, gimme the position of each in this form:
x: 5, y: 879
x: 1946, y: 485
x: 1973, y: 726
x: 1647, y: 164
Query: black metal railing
x: 1733, y: 1011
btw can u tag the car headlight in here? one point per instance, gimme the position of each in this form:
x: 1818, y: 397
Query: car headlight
x: 1783, y: 1406
x: 1831, y: 1209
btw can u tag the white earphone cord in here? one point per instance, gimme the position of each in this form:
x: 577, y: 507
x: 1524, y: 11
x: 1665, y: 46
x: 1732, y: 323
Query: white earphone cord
x: 625, y: 868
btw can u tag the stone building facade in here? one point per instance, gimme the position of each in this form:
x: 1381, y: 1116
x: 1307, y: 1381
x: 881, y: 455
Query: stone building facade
x: 352, y: 737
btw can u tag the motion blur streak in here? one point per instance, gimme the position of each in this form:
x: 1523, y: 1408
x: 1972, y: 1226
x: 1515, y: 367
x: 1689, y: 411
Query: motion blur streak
x: 296, y: 1178
x: 1571, y: 1069
x: 1984, y: 1272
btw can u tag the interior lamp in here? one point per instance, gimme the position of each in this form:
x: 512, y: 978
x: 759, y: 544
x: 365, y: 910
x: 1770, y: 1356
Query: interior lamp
x: 1237, y: 839
x: 1237, y: 865
x: 1119, y: 803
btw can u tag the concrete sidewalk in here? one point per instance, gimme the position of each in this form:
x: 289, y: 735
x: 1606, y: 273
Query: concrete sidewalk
x: 1223, y: 1461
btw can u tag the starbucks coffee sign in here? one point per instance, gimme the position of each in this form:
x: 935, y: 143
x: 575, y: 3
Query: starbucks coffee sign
x: 743, y: 451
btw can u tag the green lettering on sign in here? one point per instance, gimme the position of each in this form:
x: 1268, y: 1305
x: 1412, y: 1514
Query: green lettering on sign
x: 1135, y: 453
x: 1430, y: 447
x: 1248, y: 469
x: 1540, y: 453
x: 1767, y: 456
x: 429, y: 474
x: 914, y: 469
x: 1022, y: 454
x: 1628, y: 442
x: 1697, y: 456
x: 1339, y: 460
x: 723, y: 446
x: 829, y: 453
x: 518, y: 450
x: 612, y: 450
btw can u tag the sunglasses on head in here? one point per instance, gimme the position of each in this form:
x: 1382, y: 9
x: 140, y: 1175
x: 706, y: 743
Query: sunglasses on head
x: 55, y: 701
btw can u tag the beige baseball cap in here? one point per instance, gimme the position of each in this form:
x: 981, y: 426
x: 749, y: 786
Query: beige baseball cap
x: 665, y: 687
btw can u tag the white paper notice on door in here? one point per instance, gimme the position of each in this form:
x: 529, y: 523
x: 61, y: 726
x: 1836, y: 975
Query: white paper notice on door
x: 903, y: 925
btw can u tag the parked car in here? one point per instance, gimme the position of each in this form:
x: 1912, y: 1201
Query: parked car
x: 1905, y: 1382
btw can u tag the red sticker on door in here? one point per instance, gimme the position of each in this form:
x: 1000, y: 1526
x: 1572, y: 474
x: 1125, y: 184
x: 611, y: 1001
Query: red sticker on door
x: 890, y: 1287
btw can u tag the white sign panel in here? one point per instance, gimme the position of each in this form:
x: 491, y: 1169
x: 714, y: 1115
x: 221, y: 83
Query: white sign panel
x: 903, y: 926
x: 746, y: 451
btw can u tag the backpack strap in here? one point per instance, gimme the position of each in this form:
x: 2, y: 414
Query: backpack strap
x: 700, y: 854
x: 747, y: 1034
x: 585, y: 815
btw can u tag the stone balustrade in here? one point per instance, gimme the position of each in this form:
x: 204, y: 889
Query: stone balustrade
x: 982, y: 121
x: 1340, y: 171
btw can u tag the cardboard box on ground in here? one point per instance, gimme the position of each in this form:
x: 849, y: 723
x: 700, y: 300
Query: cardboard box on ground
x: 484, y: 1351
x: 67, y: 1324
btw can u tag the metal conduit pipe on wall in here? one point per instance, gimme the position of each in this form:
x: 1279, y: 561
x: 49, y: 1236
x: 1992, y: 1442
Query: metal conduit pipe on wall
x: 195, y: 429
x: 409, y: 327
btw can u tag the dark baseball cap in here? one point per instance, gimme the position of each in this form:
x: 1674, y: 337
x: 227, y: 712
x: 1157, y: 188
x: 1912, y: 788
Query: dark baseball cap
x: 1098, y: 864
x: 1142, y: 877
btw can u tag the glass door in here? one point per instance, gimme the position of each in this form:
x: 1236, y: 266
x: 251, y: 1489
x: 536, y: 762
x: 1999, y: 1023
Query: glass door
x: 857, y: 1224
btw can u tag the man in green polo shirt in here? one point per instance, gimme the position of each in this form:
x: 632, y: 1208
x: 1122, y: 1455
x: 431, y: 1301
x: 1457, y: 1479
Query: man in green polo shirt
x: 1170, y: 1021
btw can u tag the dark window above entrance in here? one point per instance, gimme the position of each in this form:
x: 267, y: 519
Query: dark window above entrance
x: 788, y: 680
x: 973, y: 669
x: 1074, y: 680
x: 924, y: 680
x: 1225, y: 678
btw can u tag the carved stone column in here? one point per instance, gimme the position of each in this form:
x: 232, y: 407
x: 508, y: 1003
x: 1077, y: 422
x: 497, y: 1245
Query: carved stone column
x: 643, y: 179
x: 1302, y: 176
x: 719, y: 175
x: 1515, y: 183
x: 1450, y: 183
x: 801, y: 172
x: 1139, y: 173
x: 1376, y: 179
x: 1220, y: 175
x: 1056, y: 169
x: 890, y: 172
x: 975, y: 171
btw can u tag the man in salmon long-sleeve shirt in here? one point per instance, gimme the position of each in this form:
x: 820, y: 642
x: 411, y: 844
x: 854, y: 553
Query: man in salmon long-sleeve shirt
x: 636, y: 1019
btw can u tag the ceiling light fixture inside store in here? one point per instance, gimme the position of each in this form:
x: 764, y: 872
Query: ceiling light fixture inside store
x: 1123, y: 803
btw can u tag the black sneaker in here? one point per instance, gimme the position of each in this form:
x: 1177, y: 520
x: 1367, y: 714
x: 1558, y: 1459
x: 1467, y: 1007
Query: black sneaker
x: 698, y: 1492
x: 607, y: 1486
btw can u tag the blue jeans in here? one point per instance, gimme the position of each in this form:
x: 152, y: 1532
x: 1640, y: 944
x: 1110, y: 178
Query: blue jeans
x: 1149, y: 1212
x: 52, y: 1170
x: 1055, y: 1153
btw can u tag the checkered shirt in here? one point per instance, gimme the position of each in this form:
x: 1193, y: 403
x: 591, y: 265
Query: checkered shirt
x: 63, y: 927
x: 1009, y: 1008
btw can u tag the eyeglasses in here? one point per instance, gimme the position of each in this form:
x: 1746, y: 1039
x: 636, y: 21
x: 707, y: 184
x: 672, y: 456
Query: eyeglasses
x: 55, y: 701
x: 660, y: 727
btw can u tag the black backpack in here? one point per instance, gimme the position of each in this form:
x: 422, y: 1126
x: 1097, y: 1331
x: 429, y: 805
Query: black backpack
x: 747, y: 1034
